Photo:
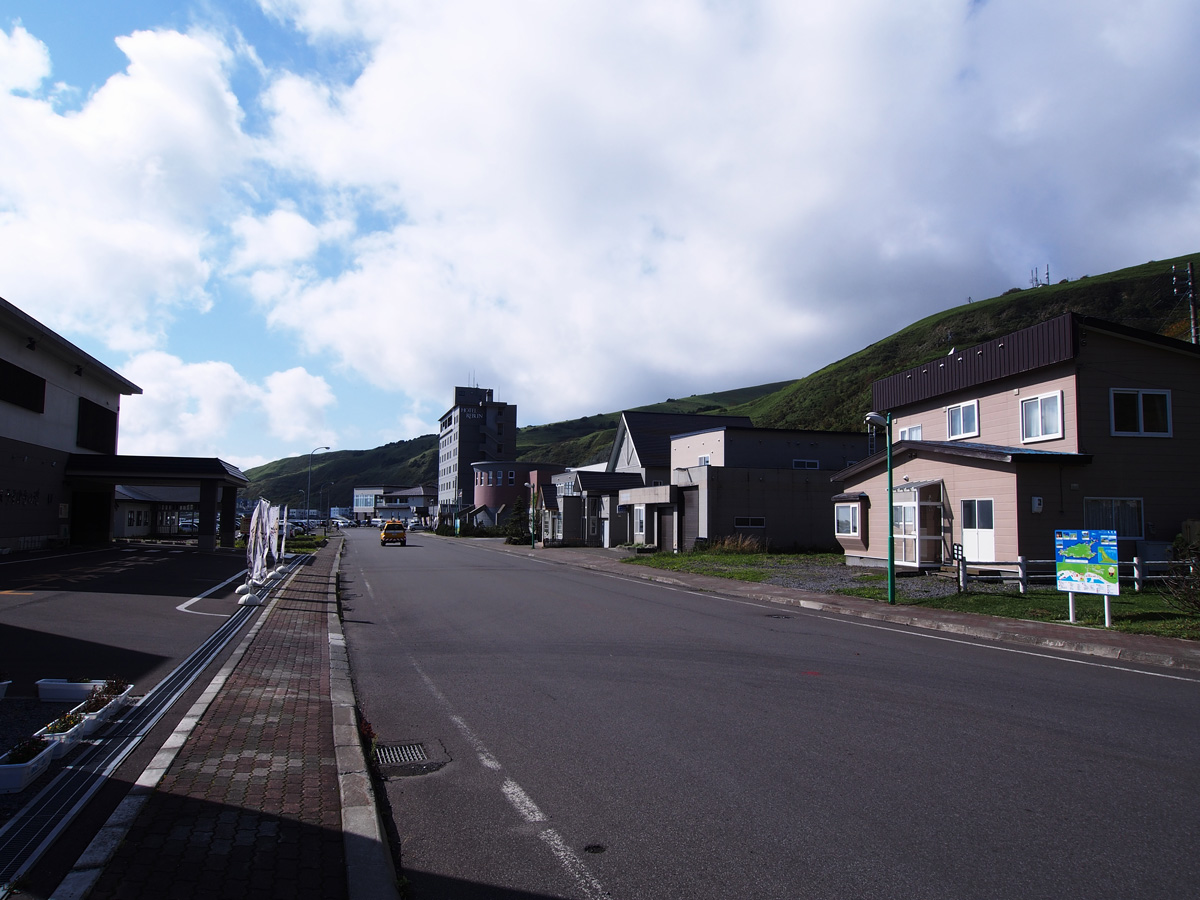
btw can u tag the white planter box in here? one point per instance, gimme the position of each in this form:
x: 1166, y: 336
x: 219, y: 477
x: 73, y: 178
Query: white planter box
x: 62, y: 741
x: 93, y: 720
x: 16, y: 777
x: 59, y: 690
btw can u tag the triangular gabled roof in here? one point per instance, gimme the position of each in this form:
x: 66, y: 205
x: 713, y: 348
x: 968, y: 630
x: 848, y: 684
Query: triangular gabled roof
x: 649, y: 435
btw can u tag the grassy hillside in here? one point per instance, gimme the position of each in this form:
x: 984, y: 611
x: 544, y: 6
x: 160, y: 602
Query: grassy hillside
x: 837, y: 396
x: 833, y: 398
x: 404, y: 463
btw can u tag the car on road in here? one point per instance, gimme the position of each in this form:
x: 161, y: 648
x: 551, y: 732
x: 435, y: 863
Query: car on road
x: 393, y: 533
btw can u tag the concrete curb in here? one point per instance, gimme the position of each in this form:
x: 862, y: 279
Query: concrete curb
x: 370, y: 874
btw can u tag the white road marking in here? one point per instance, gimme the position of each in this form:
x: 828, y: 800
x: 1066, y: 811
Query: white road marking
x: 183, y: 607
x: 524, y: 805
x: 521, y: 802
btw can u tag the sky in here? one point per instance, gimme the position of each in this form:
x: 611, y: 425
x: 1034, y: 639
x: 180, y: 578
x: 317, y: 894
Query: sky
x: 302, y: 223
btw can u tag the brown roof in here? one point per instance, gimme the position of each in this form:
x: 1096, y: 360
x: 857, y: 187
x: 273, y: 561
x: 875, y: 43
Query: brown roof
x: 1045, y: 344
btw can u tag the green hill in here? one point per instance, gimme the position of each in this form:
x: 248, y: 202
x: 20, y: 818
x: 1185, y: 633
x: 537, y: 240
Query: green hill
x: 833, y: 398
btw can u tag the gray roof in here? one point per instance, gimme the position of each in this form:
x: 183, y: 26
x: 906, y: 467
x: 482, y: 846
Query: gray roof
x: 1047, y: 343
x: 128, y: 470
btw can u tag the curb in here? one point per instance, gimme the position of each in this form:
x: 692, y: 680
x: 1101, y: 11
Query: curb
x: 369, y: 871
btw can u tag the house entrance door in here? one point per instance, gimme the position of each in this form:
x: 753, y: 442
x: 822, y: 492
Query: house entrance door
x: 978, y: 531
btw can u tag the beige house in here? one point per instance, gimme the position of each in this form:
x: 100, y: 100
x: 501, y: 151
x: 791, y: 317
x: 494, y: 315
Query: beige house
x: 1071, y: 423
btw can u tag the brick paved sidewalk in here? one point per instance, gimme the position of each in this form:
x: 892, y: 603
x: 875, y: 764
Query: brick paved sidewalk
x: 251, y: 805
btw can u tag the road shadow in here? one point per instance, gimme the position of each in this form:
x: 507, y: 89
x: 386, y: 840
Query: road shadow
x: 30, y: 655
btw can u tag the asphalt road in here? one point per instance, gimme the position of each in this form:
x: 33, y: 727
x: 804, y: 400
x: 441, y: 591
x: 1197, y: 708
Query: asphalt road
x: 601, y: 737
x: 111, y: 611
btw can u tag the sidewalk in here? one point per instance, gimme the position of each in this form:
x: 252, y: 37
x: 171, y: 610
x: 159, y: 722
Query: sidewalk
x: 1108, y: 644
x: 262, y: 792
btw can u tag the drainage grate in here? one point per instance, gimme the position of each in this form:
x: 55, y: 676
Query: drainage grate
x: 400, y: 754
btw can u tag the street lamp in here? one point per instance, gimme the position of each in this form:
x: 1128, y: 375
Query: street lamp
x: 884, y: 420
x: 325, y: 509
x: 308, y: 493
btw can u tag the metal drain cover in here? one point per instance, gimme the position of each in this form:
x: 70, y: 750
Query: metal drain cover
x: 410, y: 758
x: 400, y: 754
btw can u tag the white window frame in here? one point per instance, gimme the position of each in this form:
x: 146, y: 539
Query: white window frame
x: 970, y: 404
x: 639, y: 520
x: 806, y: 464
x: 906, y: 433
x: 1140, y: 392
x: 855, y: 518
x: 703, y: 460
x: 1026, y: 438
x: 1094, y: 526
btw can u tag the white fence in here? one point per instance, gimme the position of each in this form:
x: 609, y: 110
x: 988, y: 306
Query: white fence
x: 1140, y: 572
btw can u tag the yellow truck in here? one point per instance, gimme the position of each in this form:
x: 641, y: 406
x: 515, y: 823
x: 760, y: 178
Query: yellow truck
x: 393, y: 533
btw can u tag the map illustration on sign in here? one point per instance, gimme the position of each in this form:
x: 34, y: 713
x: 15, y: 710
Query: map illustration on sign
x: 1086, y: 562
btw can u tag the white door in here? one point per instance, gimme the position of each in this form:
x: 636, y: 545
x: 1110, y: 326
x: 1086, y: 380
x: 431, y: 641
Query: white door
x: 904, y: 533
x: 978, y: 531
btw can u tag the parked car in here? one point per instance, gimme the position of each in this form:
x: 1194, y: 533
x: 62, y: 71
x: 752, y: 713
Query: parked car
x: 393, y: 533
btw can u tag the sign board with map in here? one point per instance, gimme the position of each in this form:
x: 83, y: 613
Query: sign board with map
x: 1085, y: 562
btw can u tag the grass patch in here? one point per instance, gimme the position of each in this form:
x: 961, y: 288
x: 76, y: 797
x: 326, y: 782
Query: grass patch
x: 1147, y: 612
x: 1134, y: 613
x: 736, y: 564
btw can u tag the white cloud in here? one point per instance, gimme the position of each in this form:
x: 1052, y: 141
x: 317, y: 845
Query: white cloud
x: 105, y: 212
x: 295, y: 404
x: 209, y: 409
x: 722, y: 191
x: 587, y: 205
x: 24, y: 61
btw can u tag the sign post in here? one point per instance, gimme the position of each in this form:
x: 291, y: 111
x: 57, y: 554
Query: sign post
x: 1085, y: 562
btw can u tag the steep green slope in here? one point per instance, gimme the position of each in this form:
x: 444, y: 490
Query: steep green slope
x: 833, y: 398
x: 837, y: 396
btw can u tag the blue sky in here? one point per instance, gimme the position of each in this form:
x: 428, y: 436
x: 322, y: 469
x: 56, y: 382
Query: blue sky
x: 302, y: 222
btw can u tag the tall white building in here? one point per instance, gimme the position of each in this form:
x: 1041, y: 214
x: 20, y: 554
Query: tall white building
x: 476, y: 428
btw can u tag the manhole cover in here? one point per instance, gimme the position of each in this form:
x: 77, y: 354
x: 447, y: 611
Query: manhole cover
x: 400, y: 754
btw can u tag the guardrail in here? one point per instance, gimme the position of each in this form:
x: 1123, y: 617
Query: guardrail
x: 1018, y: 571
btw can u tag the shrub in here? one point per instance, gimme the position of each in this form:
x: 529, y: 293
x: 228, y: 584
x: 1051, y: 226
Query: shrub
x: 1181, y: 588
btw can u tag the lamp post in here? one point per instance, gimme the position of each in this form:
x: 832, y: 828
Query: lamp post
x: 884, y: 420
x: 308, y: 493
x: 325, y: 509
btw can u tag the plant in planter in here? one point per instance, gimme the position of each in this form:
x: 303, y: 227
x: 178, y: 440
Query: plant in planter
x: 24, y: 763
x: 100, y: 705
x: 64, y: 732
